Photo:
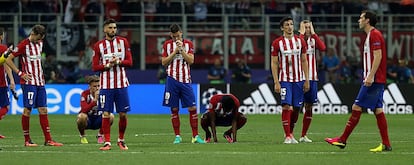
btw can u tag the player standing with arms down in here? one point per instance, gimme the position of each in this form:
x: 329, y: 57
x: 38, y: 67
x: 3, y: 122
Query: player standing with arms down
x: 290, y: 73
x: 313, y: 42
x: 178, y: 55
x: 223, y: 110
x: 4, y: 69
x: 111, y: 56
x: 372, y: 89
x: 32, y: 83
x: 89, y: 117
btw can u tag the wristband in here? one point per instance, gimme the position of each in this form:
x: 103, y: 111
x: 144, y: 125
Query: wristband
x: 19, y: 73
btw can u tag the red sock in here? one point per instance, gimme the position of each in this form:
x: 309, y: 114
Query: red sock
x: 106, y: 129
x: 350, y: 125
x: 3, y: 112
x: 25, y: 127
x: 194, y: 122
x: 286, y: 121
x: 307, y: 118
x: 44, y: 123
x: 175, y: 120
x: 122, y: 127
x: 293, y: 119
x: 383, y: 128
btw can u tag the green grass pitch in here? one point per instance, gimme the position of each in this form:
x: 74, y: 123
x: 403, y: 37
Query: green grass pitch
x: 150, y: 137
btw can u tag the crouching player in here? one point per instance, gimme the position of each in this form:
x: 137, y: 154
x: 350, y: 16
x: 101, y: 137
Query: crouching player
x: 223, y: 110
x: 89, y: 117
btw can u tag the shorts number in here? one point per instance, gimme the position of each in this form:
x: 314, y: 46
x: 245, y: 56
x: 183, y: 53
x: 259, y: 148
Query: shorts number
x: 102, y: 99
x: 283, y: 91
x: 30, y: 95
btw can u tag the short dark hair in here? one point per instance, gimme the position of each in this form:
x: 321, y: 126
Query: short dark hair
x: 284, y: 19
x: 39, y: 29
x: 227, y: 103
x: 108, y: 21
x: 174, y: 28
x: 371, y: 16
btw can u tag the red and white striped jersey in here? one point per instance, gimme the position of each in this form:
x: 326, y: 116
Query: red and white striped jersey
x: 313, y: 43
x: 30, y: 54
x: 178, y: 69
x: 104, y: 51
x: 375, y: 41
x: 3, y: 74
x: 289, y: 52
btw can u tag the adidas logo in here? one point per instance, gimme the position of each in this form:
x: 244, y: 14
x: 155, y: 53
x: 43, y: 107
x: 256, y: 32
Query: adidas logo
x: 261, y: 101
x: 329, y: 102
x: 394, y: 101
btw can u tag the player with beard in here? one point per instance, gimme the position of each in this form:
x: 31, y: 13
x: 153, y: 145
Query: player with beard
x: 111, y: 57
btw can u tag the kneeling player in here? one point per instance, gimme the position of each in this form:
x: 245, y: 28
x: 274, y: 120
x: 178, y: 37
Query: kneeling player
x: 89, y: 117
x: 223, y: 110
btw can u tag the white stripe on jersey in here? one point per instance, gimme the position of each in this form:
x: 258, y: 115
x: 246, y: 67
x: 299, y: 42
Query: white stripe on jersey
x: 116, y: 76
x: 367, y: 57
x: 290, y: 59
x: 179, y: 68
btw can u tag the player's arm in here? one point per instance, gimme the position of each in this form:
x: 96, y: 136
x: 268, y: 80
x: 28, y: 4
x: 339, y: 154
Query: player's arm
x: 319, y: 44
x: 10, y: 63
x: 375, y: 44
x: 96, y: 57
x: 85, y: 106
x: 166, y: 59
x: 305, y: 68
x: 275, y: 68
x: 236, y: 117
x: 377, y: 60
x: 188, y: 56
x: 212, y: 116
x: 10, y: 76
x: 127, y: 62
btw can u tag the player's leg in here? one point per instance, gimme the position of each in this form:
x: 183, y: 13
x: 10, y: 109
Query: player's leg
x: 4, y: 102
x: 122, y: 107
x: 105, y: 104
x: 99, y: 136
x: 309, y: 99
x: 171, y: 99
x: 205, y: 124
x: 82, y: 122
x: 286, y: 101
x: 241, y: 121
x: 188, y: 100
x: 381, y: 122
x: 297, y: 101
x: 361, y: 100
x: 28, y: 102
x: 40, y: 103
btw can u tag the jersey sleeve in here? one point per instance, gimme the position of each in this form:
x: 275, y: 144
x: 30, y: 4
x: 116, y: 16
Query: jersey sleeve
x: 214, y: 103
x: 191, y: 48
x: 274, y: 49
x: 85, y: 106
x: 375, y: 40
x: 236, y: 104
x: 164, y: 49
x: 128, y: 55
x: 19, y: 49
x: 320, y: 45
x: 96, y: 57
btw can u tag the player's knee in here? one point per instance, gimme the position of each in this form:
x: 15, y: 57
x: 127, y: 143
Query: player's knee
x: 356, y: 107
x: 42, y: 110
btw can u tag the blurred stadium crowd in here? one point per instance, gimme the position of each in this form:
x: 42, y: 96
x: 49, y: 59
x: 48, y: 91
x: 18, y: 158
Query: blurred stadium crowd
x: 203, y: 12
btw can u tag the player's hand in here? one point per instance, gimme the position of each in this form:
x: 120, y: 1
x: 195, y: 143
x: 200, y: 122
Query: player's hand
x: 306, y: 86
x: 277, y: 87
x: 26, y: 77
x: 302, y: 28
x: 12, y: 86
x: 312, y: 29
x: 368, y: 81
x: 96, y: 95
